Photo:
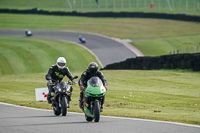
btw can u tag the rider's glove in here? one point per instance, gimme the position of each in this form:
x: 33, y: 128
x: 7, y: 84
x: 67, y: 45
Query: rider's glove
x: 50, y: 82
x: 74, y: 81
x: 82, y: 88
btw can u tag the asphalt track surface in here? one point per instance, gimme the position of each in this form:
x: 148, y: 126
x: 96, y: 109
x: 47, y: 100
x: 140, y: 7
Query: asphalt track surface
x: 106, y: 50
x: 19, y: 119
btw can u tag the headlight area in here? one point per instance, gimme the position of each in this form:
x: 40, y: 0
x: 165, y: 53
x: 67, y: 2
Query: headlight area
x: 68, y: 89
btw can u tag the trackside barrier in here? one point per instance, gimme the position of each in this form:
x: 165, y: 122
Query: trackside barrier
x: 182, y: 17
x: 177, y: 61
x: 41, y: 94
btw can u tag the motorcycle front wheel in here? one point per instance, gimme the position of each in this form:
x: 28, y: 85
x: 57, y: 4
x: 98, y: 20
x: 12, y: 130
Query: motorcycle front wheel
x: 63, y: 106
x: 96, y: 111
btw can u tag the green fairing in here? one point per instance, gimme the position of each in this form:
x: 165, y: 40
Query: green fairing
x: 88, y: 112
x: 95, y: 90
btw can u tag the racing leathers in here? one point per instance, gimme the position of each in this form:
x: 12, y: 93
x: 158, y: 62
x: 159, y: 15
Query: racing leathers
x: 56, y: 74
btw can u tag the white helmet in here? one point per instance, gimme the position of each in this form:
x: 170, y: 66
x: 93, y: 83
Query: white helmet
x: 61, y: 62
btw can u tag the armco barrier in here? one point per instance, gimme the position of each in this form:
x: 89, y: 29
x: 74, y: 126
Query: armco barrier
x: 177, y: 61
x: 182, y: 17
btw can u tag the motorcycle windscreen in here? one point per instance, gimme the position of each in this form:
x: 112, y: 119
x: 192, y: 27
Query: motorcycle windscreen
x: 95, y: 86
x: 62, y: 85
x: 95, y: 82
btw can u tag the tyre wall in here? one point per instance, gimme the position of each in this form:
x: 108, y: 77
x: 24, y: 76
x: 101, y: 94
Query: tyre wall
x: 182, y: 17
x: 177, y: 61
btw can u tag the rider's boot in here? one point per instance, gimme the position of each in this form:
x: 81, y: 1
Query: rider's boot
x: 102, y: 102
x: 81, y: 101
x: 68, y: 101
x: 49, y: 98
x: 68, y: 104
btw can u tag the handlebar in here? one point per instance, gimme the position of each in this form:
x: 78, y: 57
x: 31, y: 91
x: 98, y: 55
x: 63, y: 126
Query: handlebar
x: 54, y: 82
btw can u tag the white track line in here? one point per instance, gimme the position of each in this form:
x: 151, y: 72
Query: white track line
x: 113, y: 117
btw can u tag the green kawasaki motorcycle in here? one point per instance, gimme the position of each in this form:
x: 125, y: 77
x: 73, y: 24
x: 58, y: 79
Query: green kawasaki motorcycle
x: 93, y: 99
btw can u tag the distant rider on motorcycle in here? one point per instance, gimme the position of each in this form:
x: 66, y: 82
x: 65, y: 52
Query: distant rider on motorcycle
x: 86, y: 75
x: 55, y: 74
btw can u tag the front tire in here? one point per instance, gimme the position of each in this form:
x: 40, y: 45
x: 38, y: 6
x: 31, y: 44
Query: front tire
x: 96, y: 111
x: 64, y: 106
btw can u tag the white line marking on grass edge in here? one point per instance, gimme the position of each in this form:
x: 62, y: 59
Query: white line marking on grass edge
x: 113, y: 117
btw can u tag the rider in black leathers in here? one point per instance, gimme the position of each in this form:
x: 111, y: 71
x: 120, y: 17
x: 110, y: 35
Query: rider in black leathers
x: 57, y: 73
x: 86, y: 75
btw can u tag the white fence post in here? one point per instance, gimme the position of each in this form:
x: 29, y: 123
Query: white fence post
x: 106, y: 4
x: 114, y: 4
x: 69, y: 4
x: 169, y: 5
x: 81, y: 4
x: 186, y: 5
x: 74, y: 3
x: 130, y: 5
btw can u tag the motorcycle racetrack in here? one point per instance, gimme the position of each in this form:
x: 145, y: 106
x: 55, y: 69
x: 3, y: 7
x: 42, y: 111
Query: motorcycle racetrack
x: 19, y: 119
x: 107, y: 50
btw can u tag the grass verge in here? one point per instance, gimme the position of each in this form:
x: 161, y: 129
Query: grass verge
x: 33, y: 55
x: 159, y: 95
x: 163, y: 46
x: 113, y: 27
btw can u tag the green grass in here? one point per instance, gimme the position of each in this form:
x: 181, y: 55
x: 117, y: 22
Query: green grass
x: 163, y: 46
x: 160, y: 95
x: 132, y: 28
x: 31, y: 55
x: 186, y: 6
x: 157, y: 36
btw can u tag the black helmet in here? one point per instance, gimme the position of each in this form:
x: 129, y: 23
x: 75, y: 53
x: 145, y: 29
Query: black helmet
x: 93, y: 67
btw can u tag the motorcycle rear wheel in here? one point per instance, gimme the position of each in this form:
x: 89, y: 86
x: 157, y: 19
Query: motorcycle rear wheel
x: 89, y: 119
x: 57, y: 111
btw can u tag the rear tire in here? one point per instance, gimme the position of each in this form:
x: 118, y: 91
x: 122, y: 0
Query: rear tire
x: 57, y: 110
x: 96, y: 111
x: 64, y: 106
x: 89, y: 119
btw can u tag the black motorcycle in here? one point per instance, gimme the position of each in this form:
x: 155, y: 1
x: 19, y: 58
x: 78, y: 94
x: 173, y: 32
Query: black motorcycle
x: 62, y: 97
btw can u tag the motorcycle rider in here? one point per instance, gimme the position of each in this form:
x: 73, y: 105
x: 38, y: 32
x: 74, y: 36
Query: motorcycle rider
x: 57, y: 73
x: 86, y: 75
x: 82, y: 39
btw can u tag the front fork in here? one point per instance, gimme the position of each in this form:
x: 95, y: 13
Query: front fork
x: 57, y: 101
x: 101, y: 102
x: 67, y: 98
